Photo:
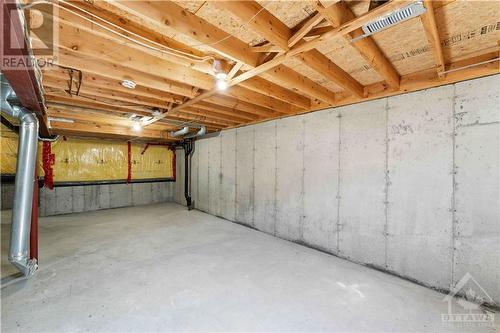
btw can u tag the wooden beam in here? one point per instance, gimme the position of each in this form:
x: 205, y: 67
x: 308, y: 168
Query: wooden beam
x: 256, y: 98
x: 278, y: 34
x: 97, y: 93
x: 477, y: 66
x: 114, y: 71
x: 304, y: 29
x: 259, y: 20
x: 89, y: 87
x: 239, y: 105
x: 175, y: 18
x: 265, y: 48
x: 270, y: 89
x: 203, y: 66
x: 81, y: 105
x: 284, y: 74
x: 80, y: 101
x: 99, y: 117
x: 97, y: 129
x: 316, y: 32
x: 429, y: 22
x: 128, y: 25
x: 99, y: 81
x: 301, y: 47
x: 313, y: 58
x: 338, y: 14
x: 237, y: 114
x: 91, y: 45
x: 234, y: 70
x: 95, y: 45
x: 321, y: 64
x: 202, y: 119
x: 224, y: 119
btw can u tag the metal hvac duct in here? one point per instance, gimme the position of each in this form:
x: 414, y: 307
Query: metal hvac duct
x: 182, y: 131
x: 23, y: 192
x: 185, y: 130
x: 201, y: 132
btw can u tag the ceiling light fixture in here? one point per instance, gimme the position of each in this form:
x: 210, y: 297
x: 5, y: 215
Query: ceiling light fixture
x: 221, y: 84
x: 137, y: 126
x: 128, y: 84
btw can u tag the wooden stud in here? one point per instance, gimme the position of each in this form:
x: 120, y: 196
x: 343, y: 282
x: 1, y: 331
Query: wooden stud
x: 431, y: 31
x: 339, y: 14
x: 308, y: 25
x: 261, y: 21
x: 321, y: 64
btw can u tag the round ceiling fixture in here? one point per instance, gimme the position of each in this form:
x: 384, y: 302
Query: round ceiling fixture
x: 137, y: 126
x: 221, y: 84
x: 128, y: 84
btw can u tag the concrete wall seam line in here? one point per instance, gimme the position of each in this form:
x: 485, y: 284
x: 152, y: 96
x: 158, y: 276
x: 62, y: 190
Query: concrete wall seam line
x: 302, y: 183
x: 275, y: 177
x: 338, y: 224
x: 220, y: 175
x: 387, y: 183
x: 208, y: 176
x: 453, y: 189
x: 235, y: 174
x: 253, y: 178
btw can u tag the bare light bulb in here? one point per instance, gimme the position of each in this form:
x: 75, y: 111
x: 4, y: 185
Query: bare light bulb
x: 221, y: 84
x: 128, y: 84
x: 136, y: 126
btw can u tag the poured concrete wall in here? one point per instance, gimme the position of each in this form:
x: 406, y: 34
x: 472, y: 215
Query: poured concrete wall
x: 408, y: 184
x: 6, y: 196
x: 74, y: 199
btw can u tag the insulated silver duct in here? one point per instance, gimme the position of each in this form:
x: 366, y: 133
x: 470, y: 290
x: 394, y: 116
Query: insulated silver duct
x: 185, y: 130
x: 23, y: 195
x: 180, y: 132
x: 201, y: 132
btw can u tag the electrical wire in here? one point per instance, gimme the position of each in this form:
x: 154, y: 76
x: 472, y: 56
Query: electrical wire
x: 230, y: 35
x: 162, y: 48
x: 471, y: 65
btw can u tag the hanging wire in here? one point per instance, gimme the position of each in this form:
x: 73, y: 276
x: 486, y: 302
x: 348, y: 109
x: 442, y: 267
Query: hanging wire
x: 162, y: 48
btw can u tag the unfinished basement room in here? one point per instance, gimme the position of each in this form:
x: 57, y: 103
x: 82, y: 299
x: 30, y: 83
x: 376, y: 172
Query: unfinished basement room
x: 250, y: 166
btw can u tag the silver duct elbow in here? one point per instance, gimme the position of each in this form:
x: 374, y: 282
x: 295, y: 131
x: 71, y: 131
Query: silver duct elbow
x: 180, y: 132
x: 185, y: 130
x: 23, y: 195
x: 201, y: 132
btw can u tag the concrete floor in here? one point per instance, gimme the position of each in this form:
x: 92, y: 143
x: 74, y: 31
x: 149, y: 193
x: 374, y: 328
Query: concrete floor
x: 162, y: 268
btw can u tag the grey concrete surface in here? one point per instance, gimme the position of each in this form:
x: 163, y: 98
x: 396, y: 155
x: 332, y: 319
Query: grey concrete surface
x: 162, y: 268
x: 74, y: 199
x: 6, y: 196
x: 409, y: 184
